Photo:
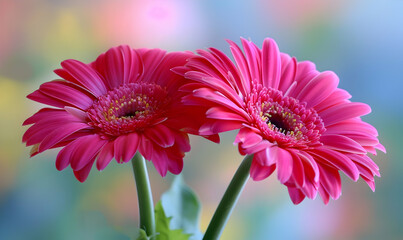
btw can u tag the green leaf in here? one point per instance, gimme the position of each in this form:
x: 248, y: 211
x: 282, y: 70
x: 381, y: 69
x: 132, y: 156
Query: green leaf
x: 142, y: 235
x: 182, y: 205
x: 163, y: 230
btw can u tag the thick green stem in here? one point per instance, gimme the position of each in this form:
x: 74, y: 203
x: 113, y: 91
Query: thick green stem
x: 146, y: 205
x: 228, y: 201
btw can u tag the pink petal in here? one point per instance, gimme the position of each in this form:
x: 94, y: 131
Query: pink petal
x: 125, y: 147
x: 161, y: 135
x: 87, y: 148
x: 83, y: 173
x: 122, y: 65
x: 343, y: 111
x: 213, y: 127
x: 64, y: 156
x: 216, y: 97
x: 263, y: 145
x: 306, y: 71
x: 85, y: 76
x: 248, y: 138
x: 59, y: 134
x: 296, y: 195
x: 342, y: 143
x: 298, y: 173
x: 105, y: 155
x: 288, y: 71
x: 242, y: 66
x: 40, y: 97
x: 330, y: 180
x: 175, y: 165
x: 367, y: 162
x: 310, y: 166
x: 233, y: 74
x: 252, y: 60
x: 284, y: 162
x: 271, y: 68
x: 223, y: 113
x: 259, y: 172
x: 319, y: 88
x: 336, y: 160
x: 44, y: 113
x: 363, y: 139
x: 352, y: 126
x: 152, y: 58
x: 324, y: 195
x: 146, y: 148
x: 216, y: 84
x: 76, y: 113
x: 68, y: 93
x: 339, y: 96
x: 370, y: 182
x: 160, y: 161
x: 182, y: 141
x: 163, y: 74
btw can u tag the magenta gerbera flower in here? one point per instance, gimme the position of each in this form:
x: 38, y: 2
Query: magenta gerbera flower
x: 292, y: 117
x: 125, y: 101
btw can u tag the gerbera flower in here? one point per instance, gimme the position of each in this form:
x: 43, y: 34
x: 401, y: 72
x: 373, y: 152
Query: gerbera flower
x: 125, y: 101
x: 292, y: 117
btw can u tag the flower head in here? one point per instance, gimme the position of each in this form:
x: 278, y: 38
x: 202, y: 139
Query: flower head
x: 292, y: 117
x: 125, y: 101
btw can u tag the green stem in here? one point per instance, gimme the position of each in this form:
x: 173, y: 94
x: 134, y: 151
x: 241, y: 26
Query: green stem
x: 228, y: 201
x: 146, y: 205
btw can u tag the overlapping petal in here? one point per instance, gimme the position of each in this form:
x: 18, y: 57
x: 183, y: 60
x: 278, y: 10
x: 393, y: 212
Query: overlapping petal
x: 127, y: 100
x: 292, y: 117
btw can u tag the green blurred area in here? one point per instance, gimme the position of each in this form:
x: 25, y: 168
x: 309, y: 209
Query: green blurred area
x: 359, y: 40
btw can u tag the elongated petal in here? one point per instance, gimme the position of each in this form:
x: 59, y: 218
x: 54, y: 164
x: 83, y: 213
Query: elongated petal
x: 271, y: 68
x: 85, y: 76
x: 59, y: 134
x: 259, y: 172
x: 87, y: 148
x: 126, y: 147
x: 318, y: 89
x: 161, y: 135
x: 344, y: 111
x: 105, y: 155
x: 83, y: 173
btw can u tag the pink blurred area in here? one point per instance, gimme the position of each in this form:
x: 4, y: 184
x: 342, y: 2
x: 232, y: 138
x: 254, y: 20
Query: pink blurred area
x: 36, y: 35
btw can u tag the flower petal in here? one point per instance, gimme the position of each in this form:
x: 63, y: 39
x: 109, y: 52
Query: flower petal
x: 342, y: 143
x: 344, y: 111
x: 125, y: 147
x: 271, y: 62
x: 87, y: 148
x: 319, y: 88
x: 161, y: 135
x: 259, y: 172
x: 85, y: 76
x: 105, y: 155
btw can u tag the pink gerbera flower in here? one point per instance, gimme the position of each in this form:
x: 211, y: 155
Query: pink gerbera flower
x: 292, y: 117
x: 125, y: 101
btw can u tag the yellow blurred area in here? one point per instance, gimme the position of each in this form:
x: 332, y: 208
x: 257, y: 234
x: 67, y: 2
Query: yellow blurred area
x: 12, y: 114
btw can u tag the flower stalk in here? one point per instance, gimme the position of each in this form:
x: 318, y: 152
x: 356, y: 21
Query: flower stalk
x: 228, y: 201
x: 145, y: 199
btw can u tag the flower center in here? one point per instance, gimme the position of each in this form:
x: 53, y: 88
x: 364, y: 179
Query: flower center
x: 284, y: 120
x: 129, y: 108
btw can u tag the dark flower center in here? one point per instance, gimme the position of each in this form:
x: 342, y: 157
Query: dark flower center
x: 284, y: 120
x: 131, y: 107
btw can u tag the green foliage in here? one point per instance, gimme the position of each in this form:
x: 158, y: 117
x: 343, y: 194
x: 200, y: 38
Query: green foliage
x: 142, y: 235
x: 176, y: 215
x: 163, y: 229
x: 182, y: 204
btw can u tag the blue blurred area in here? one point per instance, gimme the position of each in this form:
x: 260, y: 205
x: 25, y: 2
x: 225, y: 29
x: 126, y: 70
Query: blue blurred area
x: 359, y: 40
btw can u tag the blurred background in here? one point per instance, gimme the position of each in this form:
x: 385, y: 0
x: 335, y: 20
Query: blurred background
x: 361, y: 40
